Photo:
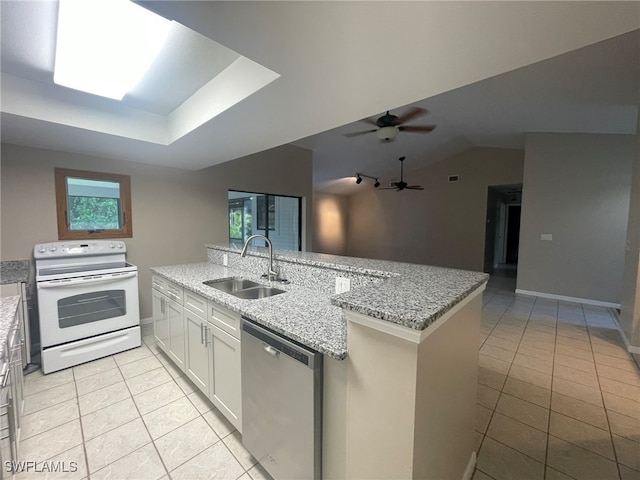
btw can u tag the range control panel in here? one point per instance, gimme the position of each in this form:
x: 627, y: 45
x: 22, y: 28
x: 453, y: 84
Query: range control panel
x: 78, y: 248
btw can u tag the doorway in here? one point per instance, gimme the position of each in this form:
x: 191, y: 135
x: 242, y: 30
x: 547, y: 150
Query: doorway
x: 502, y: 233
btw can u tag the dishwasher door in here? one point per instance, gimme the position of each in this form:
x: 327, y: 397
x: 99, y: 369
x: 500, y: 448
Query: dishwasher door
x: 281, y: 403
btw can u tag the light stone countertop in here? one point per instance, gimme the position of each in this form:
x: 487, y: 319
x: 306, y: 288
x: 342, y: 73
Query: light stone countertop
x: 8, y: 309
x: 14, y: 271
x: 410, y: 295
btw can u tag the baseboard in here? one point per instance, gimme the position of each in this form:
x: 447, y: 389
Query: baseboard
x: 630, y: 348
x: 471, y: 466
x: 586, y: 301
x: 146, y: 321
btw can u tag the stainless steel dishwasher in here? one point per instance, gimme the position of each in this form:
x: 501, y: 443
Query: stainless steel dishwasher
x: 281, y: 403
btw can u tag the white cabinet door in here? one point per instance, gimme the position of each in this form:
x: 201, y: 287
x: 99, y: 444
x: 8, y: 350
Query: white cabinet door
x: 176, y: 333
x: 197, y: 351
x: 226, y: 391
x: 160, y: 320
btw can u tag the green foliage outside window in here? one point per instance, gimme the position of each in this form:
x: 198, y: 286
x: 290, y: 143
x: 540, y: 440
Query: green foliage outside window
x: 93, y: 213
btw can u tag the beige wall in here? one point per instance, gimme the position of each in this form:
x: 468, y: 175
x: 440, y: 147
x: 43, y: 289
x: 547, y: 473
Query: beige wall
x: 330, y: 223
x: 442, y: 225
x: 175, y: 212
x: 577, y: 188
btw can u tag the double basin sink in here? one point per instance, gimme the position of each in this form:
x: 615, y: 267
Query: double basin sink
x: 243, y: 288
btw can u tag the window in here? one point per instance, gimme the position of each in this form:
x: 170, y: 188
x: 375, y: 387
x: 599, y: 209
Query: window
x: 92, y: 205
x: 277, y: 217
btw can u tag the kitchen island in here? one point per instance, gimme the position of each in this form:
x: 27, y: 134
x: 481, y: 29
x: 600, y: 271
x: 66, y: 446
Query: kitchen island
x: 400, y: 353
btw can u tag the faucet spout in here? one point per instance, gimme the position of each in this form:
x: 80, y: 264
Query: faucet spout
x: 271, y: 273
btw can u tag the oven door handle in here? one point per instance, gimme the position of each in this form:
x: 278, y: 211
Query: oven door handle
x: 87, y: 281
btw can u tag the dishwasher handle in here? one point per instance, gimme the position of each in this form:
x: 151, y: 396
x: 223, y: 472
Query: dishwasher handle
x: 274, y: 344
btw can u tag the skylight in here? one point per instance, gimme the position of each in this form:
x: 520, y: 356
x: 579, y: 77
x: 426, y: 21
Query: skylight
x: 104, y: 47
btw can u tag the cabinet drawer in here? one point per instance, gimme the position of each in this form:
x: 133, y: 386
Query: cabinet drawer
x: 225, y: 319
x: 174, y: 292
x: 159, y: 283
x: 195, y: 303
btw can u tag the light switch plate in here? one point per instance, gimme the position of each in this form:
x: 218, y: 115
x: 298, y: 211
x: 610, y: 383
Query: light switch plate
x: 546, y: 237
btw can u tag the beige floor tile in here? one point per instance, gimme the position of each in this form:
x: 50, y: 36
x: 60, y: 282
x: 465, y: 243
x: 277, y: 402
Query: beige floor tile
x: 102, y: 398
x: 141, y: 464
x: 37, y: 381
x: 71, y: 465
x: 574, y: 342
x: 157, y: 397
x: 619, y: 388
x: 493, y: 364
x: 624, y: 425
x: 173, y: 415
x: 551, y: 474
x: 487, y: 397
x: 613, y: 373
x: 218, y: 422
x: 578, y: 462
x: 149, y: 380
x: 510, y: 344
x: 49, y: 418
x: 51, y: 442
x: 98, y: 381
x: 576, y: 390
x: 536, y: 347
x: 504, y: 463
x: 620, y: 363
x: 174, y: 371
x: 497, y: 352
x: 234, y: 444
x: 185, y: 442
x: 587, y: 436
x: 585, y: 412
x: 115, y: 444
x: 538, y: 364
x: 186, y: 385
x: 202, y: 403
x: 627, y: 451
x: 627, y: 473
x: 530, y: 376
x: 49, y: 397
x: 478, y: 475
x: 517, y: 435
x: 91, y: 368
x: 482, y: 418
x: 108, y: 418
x: 576, y: 363
x: 491, y: 378
x: 523, y: 411
x: 257, y: 472
x: 574, y: 352
x: 132, y: 355
x: 527, y: 391
x: 139, y: 367
x: 478, y: 437
x: 578, y: 376
x: 621, y: 405
x: 216, y: 462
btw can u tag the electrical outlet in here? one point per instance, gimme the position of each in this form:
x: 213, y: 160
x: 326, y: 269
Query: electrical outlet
x: 343, y: 284
x: 225, y: 259
x: 546, y: 237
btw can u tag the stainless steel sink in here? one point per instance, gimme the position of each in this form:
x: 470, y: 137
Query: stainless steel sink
x: 231, y: 284
x: 255, y: 293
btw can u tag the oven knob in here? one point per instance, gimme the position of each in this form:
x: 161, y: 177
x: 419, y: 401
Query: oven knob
x: 120, y: 245
x: 112, y: 245
x: 42, y: 248
x: 53, y: 248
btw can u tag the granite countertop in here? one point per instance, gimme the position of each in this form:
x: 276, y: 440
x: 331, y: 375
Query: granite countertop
x: 410, y: 295
x: 14, y: 271
x: 8, y: 309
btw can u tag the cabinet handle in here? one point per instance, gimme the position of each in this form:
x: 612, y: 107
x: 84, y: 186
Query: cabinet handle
x: 206, y: 338
x: 162, y: 305
x: 202, y: 333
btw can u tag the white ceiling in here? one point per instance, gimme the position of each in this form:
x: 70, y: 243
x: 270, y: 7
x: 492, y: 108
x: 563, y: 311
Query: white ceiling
x: 343, y: 61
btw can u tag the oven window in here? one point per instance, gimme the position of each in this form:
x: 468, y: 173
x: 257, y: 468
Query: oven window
x: 91, y: 307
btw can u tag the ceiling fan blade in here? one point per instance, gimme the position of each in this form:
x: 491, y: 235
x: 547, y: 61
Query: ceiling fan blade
x: 411, y: 114
x: 417, y: 128
x: 355, y: 134
x: 414, y: 187
x: 370, y: 121
x: 387, y: 188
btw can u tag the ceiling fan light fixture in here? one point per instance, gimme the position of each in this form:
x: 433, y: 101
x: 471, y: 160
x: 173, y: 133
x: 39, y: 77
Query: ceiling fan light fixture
x: 358, y: 179
x: 387, y: 133
x: 377, y: 184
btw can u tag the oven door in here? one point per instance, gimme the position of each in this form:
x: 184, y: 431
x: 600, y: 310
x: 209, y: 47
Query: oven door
x: 71, y: 309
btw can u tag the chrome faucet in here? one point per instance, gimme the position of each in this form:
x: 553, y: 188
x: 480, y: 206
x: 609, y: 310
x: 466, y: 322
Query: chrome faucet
x: 271, y: 273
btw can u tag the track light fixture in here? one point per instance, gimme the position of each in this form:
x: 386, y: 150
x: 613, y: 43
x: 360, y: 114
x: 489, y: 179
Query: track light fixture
x: 359, y: 177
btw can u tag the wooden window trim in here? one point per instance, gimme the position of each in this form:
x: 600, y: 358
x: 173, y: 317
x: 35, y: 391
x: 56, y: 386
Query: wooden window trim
x: 64, y: 233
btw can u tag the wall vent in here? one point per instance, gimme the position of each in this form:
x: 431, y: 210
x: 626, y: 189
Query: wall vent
x: 454, y: 178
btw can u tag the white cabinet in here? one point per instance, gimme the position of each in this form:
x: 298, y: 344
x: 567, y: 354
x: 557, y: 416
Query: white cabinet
x: 198, y: 362
x: 168, y: 319
x: 226, y: 391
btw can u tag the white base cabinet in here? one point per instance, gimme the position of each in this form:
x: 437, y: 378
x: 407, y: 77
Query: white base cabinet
x: 203, y: 339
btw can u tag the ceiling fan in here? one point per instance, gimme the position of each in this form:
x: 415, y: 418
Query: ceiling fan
x: 388, y: 125
x: 402, y: 185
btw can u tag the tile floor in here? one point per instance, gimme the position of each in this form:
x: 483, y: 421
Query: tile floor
x: 558, y: 398
x: 558, y: 394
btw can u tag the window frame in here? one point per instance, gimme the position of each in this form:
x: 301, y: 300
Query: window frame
x: 62, y: 202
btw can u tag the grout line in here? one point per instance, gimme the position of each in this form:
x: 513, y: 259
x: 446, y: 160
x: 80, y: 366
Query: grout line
x: 553, y: 367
